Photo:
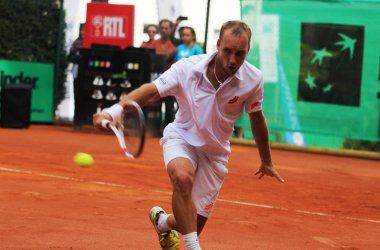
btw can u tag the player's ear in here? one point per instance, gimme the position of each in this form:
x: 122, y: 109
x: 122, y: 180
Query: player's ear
x: 218, y: 44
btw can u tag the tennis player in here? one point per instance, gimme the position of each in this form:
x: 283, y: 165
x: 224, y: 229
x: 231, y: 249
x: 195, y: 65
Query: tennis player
x: 212, y: 91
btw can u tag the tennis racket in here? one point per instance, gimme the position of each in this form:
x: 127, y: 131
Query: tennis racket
x: 129, y: 130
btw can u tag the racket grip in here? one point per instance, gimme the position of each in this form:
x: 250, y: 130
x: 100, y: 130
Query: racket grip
x: 105, y: 123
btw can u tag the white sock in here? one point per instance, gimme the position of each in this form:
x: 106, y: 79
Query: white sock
x: 162, y: 224
x: 191, y: 241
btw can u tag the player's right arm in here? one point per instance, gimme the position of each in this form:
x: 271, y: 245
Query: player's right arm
x: 144, y: 95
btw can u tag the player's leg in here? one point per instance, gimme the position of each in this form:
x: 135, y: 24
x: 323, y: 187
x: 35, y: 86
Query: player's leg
x: 177, y: 153
x: 168, y: 222
x: 201, y: 222
x: 208, y: 181
x: 190, y: 218
x: 181, y: 172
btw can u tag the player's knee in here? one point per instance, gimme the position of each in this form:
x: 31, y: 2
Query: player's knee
x: 183, y: 183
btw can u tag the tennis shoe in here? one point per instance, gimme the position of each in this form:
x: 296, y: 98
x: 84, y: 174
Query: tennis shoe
x: 168, y: 240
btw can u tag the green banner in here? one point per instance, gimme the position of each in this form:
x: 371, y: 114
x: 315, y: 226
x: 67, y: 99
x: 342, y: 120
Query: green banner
x: 320, y: 61
x: 41, y: 77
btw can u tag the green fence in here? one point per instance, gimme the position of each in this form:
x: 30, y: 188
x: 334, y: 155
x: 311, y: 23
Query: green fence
x: 321, y: 66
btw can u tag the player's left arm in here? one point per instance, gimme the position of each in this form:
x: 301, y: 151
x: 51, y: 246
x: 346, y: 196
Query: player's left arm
x: 261, y: 134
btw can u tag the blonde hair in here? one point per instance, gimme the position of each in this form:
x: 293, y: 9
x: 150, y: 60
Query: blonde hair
x: 237, y: 28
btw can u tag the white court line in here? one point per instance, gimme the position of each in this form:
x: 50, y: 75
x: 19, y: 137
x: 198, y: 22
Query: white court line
x: 252, y: 204
x: 314, y: 213
x: 12, y: 170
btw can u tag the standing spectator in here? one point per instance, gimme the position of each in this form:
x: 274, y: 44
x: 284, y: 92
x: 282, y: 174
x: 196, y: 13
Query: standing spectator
x: 177, y: 22
x: 189, y: 47
x: 164, y: 45
x: 77, y: 45
x: 74, y: 51
x: 152, y: 31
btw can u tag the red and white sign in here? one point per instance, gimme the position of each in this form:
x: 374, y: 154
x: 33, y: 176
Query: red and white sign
x: 110, y: 24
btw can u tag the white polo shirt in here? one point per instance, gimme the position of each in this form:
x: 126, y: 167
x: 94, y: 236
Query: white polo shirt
x: 206, y: 116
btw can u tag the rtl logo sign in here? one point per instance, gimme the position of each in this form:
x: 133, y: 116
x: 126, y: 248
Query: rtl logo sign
x: 108, y: 27
x: 109, y: 24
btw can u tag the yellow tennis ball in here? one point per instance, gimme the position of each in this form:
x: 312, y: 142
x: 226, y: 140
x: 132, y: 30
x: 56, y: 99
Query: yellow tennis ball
x: 83, y: 160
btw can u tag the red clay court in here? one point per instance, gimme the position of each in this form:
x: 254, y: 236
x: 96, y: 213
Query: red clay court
x: 47, y: 202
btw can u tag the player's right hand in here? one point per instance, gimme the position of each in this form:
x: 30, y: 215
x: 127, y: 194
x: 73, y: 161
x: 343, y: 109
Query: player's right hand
x: 97, y: 120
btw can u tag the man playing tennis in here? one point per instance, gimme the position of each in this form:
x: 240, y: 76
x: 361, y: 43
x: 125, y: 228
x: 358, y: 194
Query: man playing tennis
x: 212, y: 91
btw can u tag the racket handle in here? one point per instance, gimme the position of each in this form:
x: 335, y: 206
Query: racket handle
x: 129, y: 155
x: 105, y: 123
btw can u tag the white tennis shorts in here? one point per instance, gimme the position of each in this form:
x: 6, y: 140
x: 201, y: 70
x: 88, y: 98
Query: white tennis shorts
x: 209, y: 175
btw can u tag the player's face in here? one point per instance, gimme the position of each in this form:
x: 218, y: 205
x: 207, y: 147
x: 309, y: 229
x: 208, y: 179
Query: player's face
x: 165, y: 29
x: 232, y: 50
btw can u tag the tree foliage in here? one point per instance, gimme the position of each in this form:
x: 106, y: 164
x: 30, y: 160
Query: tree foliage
x: 30, y: 30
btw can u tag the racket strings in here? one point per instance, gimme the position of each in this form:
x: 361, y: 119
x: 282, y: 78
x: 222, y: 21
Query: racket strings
x: 133, y: 129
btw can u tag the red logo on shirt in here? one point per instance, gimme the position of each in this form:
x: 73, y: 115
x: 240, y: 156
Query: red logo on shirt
x: 233, y: 100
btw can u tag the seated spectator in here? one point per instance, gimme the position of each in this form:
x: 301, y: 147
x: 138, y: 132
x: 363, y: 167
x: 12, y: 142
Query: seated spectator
x: 189, y: 47
x: 152, y: 31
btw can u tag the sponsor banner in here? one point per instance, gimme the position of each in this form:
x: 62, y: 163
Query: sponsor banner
x: 109, y: 24
x: 41, y: 77
x: 331, y: 63
x: 269, y: 43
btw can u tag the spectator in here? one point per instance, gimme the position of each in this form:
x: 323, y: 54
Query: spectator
x: 165, y: 46
x: 177, y: 22
x: 189, y: 47
x: 74, y: 51
x: 152, y: 31
x: 77, y: 45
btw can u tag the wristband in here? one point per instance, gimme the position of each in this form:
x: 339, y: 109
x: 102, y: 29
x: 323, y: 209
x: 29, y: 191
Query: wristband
x: 114, y: 111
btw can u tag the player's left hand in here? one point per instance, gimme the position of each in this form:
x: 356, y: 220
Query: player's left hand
x: 266, y: 169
